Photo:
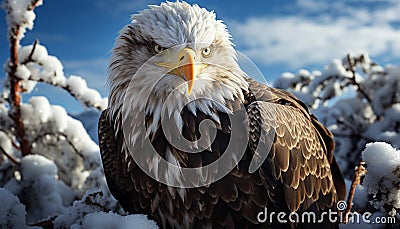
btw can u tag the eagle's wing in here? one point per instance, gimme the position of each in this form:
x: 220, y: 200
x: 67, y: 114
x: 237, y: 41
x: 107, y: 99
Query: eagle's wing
x: 300, y: 168
x: 118, y: 179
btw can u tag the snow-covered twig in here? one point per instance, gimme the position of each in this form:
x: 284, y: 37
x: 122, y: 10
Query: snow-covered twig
x: 94, y: 101
x: 30, y: 57
x: 36, y: 65
x: 10, y: 157
x: 91, y: 200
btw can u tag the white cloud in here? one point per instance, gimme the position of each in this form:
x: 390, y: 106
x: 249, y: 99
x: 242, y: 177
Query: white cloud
x: 313, y: 5
x: 319, y: 33
x: 114, y: 8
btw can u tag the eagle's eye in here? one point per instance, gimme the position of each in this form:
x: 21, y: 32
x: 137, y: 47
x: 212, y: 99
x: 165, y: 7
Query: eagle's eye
x: 158, y: 49
x: 206, y: 52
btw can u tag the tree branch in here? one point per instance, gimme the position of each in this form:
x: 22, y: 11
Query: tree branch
x: 68, y: 90
x: 29, y: 59
x: 354, y: 81
x: 15, y: 89
x: 10, y: 157
x: 46, y: 223
x: 359, y: 172
x: 15, y: 93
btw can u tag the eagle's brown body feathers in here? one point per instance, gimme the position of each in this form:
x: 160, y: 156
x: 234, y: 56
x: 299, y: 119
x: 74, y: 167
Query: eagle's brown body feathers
x: 299, y: 174
x: 177, y: 54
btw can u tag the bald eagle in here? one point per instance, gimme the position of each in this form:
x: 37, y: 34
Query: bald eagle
x: 193, y: 142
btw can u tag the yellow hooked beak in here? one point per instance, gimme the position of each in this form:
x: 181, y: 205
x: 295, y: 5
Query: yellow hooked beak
x: 183, y: 64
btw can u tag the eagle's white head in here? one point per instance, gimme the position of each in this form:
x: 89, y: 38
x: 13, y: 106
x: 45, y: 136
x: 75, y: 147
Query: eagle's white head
x: 169, y: 55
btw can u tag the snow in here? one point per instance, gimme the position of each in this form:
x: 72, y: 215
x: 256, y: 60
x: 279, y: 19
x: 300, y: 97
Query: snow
x: 39, y: 55
x: 53, y: 67
x: 74, y: 152
x: 78, y: 87
x: 12, y: 212
x: 33, y: 166
x: 5, y: 142
x: 102, y: 220
x: 63, y: 176
x: 40, y: 185
x: 383, y: 165
x: 23, y: 72
x: 42, y: 66
x: 384, y: 130
x: 91, y: 202
x: 19, y: 15
x: 341, y: 104
x: 36, y: 65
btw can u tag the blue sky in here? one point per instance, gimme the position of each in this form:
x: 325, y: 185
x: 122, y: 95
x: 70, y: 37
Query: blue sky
x: 279, y: 36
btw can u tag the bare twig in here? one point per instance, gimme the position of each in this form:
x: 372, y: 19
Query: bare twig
x: 33, y: 4
x: 29, y: 59
x: 10, y: 157
x: 354, y: 81
x: 45, y: 224
x: 90, y: 200
x: 358, y: 173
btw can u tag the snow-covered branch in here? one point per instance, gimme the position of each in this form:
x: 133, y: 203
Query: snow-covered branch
x: 20, y: 16
x: 36, y: 65
x: 31, y: 64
